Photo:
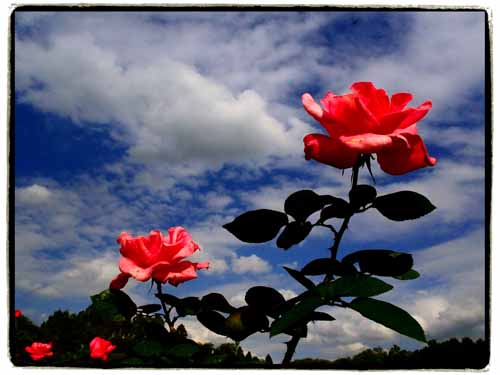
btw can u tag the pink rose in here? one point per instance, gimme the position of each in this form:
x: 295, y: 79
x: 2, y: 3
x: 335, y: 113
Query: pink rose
x: 366, y: 121
x: 100, y: 348
x: 158, y: 257
x: 39, y: 350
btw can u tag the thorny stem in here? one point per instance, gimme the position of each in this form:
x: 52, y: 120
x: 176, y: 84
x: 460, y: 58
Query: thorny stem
x: 292, y: 344
x: 166, y: 312
x: 290, y: 350
x: 345, y: 224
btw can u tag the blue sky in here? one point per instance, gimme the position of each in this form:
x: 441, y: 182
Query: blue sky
x: 137, y: 121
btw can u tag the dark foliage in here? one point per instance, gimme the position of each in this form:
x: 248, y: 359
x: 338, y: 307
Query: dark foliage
x: 450, y: 354
x: 142, y: 341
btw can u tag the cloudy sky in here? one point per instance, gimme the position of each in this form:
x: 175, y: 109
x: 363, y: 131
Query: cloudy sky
x: 137, y: 121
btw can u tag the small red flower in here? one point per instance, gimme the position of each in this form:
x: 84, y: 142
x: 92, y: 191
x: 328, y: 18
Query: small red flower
x: 367, y: 121
x: 18, y: 313
x: 158, y: 257
x: 39, y: 350
x: 100, y: 348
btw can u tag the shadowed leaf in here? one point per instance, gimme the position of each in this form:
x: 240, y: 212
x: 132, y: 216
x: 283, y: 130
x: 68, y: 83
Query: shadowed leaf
x: 327, y: 265
x: 216, y: 301
x: 264, y: 299
x: 338, y: 209
x: 245, y: 322
x: 169, y: 299
x: 188, y: 306
x: 361, y: 195
x: 320, y: 316
x: 113, y: 304
x: 293, y: 234
x: 410, y: 275
x: 389, y: 316
x: 301, y: 311
x: 381, y: 262
x: 301, y: 204
x: 257, y: 226
x: 253, y: 319
x: 403, y: 205
x: 213, y: 320
x: 300, y: 278
x: 353, y: 286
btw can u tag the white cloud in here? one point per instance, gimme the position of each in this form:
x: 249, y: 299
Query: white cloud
x: 250, y: 264
x: 161, y: 106
x: 34, y: 194
x: 217, y: 266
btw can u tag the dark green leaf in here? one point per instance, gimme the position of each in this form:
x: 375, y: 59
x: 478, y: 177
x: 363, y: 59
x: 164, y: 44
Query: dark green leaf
x: 169, y: 299
x: 254, y: 320
x: 403, y: 205
x: 264, y: 299
x: 113, y: 304
x: 356, y: 256
x: 300, y: 278
x: 214, y: 321
x: 381, y: 262
x: 244, y: 322
x: 321, y: 316
x: 188, y: 306
x: 301, y: 311
x: 257, y: 226
x: 301, y: 204
x: 353, y: 286
x: 410, y: 275
x: 216, y: 301
x: 294, y: 233
x: 149, y: 309
x: 299, y: 330
x: 327, y: 265
x: 361, y: 195
x: 185, y: 350
x: 339, y: 209
x: 149, y: 348
x: 389, y: 316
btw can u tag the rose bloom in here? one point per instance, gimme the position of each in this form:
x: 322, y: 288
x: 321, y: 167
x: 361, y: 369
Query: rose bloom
x: 18, y: 313
x: 158, y: 257
x: 366, y: 121
x: 39, y: 350
x: 100, y: 348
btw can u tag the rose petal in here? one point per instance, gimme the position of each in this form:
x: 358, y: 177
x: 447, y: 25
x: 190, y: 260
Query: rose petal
x: 399, y: 120
x: 367, y: 143
x: 375, y: 100
x: 154, y: 243
x: 177, y: 245
x: 349, y: 113
x: 128, y: 266
x: 403, y: 159
x: 400, y: 100
x: 119, y: 281
x: 313, y: 108
x: 100, y: 348
x: 178, y: 272
x: 39, y: 350
x: 135, y: 249
x: 329, y: 151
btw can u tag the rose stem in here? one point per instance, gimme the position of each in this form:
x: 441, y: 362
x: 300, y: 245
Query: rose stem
x: 165, y: 311
x: 290, y: 350
x: 292, y: 344
x: 338, y: 236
